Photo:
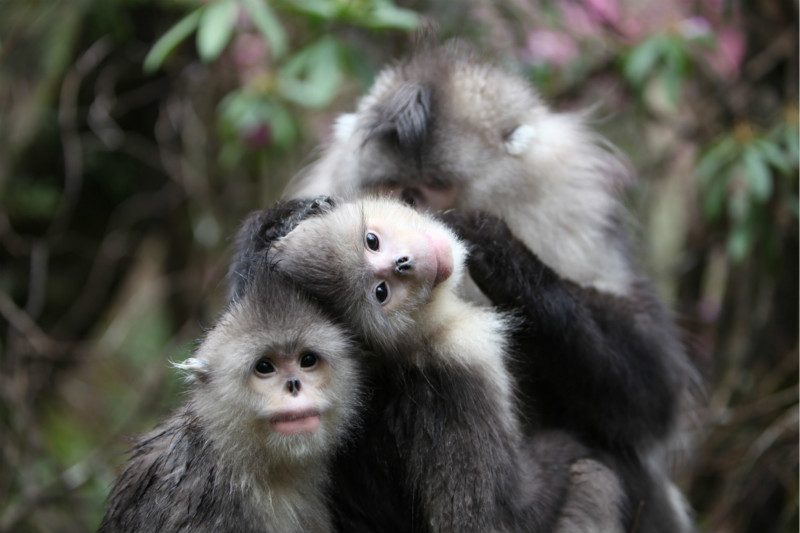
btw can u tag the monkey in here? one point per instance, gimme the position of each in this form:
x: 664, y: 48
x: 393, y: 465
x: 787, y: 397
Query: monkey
x: 275, y: 390
x: 442, y: 448
x: 535, y: 194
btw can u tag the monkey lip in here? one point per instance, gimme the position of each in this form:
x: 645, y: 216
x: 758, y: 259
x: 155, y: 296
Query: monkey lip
x: 443, y: 271
x: 293, y: 422
x: 443, y: 254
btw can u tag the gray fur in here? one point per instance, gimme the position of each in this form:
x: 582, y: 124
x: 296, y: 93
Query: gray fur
x: 216, y: 465
x: 443, y: 401
x: 490, y: 144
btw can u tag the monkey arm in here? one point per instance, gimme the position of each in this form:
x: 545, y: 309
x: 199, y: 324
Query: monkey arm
x: 262, y: 228
x: 602, y: 366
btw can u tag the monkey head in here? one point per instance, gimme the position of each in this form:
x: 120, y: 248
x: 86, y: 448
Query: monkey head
x: 375, y: 261
x: 275, y: 374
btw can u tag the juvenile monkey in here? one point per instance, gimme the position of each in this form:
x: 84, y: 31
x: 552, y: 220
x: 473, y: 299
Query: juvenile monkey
x: 442, y: 449
x: 275, y: 390
x: 534, y: 194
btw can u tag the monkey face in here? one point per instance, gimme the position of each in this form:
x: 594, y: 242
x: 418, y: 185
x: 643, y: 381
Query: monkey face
x: 376, y: 262
x: 292, y: 386
x: 404, y: 261
x: 276, y: 374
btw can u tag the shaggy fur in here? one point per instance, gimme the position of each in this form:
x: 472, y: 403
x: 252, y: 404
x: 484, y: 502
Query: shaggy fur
x: 442, y: 449
x: 217, y: 465
x: 602, y: 357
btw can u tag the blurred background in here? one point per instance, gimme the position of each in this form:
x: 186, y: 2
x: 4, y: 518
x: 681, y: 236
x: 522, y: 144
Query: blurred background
x: 135, y: 135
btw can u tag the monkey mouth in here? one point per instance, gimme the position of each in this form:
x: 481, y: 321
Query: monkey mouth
x: 442, y: 257
x: 443, y: 271
x: 295, y: 422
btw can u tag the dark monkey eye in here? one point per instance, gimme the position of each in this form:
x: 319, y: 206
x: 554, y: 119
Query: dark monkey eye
x: 372, y: 242
x: 308, y: 360
x: 264, y: 368
x: 382, y: 292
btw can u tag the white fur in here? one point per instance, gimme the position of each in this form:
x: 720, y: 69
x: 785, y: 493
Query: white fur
x: 285, y: 475
x: 520, y: 139
x: 345, y: 126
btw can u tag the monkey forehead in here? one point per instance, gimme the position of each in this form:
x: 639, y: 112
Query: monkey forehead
x: 470, y: 92
x: 324, y: 247
x: 254, y: 327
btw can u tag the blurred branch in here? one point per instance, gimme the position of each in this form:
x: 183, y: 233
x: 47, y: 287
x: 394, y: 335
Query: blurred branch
x: 37, y: 339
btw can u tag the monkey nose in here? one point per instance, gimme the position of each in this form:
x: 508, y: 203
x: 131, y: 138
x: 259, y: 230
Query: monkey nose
x: 403, y: 264
x: 293, y: 386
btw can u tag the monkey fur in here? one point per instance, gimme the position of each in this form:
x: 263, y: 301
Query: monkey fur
x: 442, y: 448
x: 249, y: 451
x: 535, y: 195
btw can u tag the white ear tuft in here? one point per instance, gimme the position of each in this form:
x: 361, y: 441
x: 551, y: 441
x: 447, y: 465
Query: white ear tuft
x: 520, y: 139
x: 195, y: 368
x: 344, y: 126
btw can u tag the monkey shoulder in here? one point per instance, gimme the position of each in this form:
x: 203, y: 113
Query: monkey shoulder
x: 175, y: 481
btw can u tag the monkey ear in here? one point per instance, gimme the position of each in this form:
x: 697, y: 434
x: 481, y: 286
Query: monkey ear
x: 344, y: 126
x: 520, y: 139
x: 196, y: 369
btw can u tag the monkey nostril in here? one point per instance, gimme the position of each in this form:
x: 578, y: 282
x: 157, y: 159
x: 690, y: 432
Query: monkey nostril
x: 293, y: 386
x: 403, y: 264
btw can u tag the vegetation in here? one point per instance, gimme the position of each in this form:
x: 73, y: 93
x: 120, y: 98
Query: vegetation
x: 136, y: 135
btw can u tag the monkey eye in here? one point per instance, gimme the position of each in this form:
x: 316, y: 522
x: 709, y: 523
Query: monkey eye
x: 264, y: 368
x: 382, y: 292
x: 373, y: 243
x: 308, y: 360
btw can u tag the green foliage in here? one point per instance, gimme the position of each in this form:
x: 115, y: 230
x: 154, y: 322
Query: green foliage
x: 312, y: 77
x: 372, y: 14
x: 258, y: 115
x: 738, y: 176
x: 215, y: 28
x: 215, y: 23
x: 114, y: 254
x: 663, y: 58
x: 170, y: 40
x: 268, y: 25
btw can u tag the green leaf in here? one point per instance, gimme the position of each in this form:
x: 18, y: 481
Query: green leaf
x: 738, y: 203
x: 643, y: 59
x: 215, y: 29
x: 268, y: 25
x: 312, y: 77
x: 759, y: 178
x: 284, y: 131
x: 389, y: 16
x: 323, y: 9
x: 677, y: 65
x: 714, y: 199
x: 740, y: 240
x: 774, y: 155
x: 170, y: 40
x: 241, y: 112
x: 715, y: 160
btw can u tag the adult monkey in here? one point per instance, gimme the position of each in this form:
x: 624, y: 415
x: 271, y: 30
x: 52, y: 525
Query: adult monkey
x: 603, y: 358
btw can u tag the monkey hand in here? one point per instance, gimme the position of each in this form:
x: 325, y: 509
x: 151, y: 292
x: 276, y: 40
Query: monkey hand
x: 498, y: 262
x: 283, y: 217
x: 262, y: 228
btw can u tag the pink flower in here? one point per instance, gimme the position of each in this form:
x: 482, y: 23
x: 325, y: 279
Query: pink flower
x: 578, y: 20
x: 604, y: 11
x: 250, y: 55
x: 550, y: 47
x: 729, y: 54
